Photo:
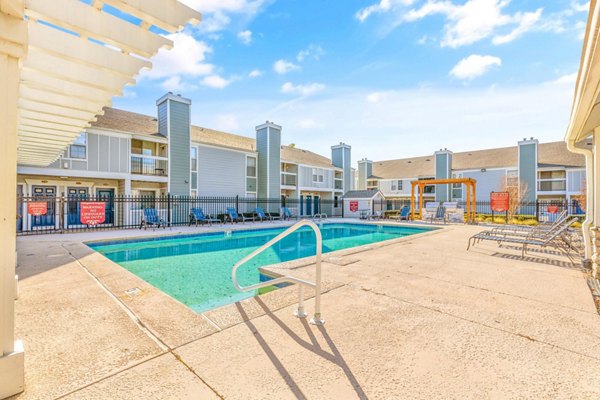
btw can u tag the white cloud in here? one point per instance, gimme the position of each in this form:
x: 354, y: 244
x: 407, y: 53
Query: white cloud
x: 381, y: 7
x: 227, y: 122
x: 314, y: 51
x: 475, y: 20
x: 173, y: 84
x: 282, y: 67
x: 186, y: 58
x: 255, y: 73
x: 580, y: 7
x: 303, y: 90
x: 568, y: 79
x: 376, y: 97
x: 245, y: 36
x: 217, y: 13
x: 526, y: 22
x: 215, y: 82
x: 473, y: 66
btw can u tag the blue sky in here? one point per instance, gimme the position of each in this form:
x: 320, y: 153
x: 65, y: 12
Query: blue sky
x: 392, y: 78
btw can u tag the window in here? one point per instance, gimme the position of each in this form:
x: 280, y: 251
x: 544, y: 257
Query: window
x: 317, y: 174
x: 512, y: 178
x: 77, y: 149
x: 399, y: 185
x: 251, y: 166
x: 147, y: 198
x: 552, y: 175
x: 194, y: 157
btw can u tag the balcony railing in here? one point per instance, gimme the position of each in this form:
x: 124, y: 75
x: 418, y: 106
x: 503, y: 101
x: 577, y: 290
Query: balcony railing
x: 339, y: 184
x: 144, y: 165
x: 288, y: 180
x: 552, y: 186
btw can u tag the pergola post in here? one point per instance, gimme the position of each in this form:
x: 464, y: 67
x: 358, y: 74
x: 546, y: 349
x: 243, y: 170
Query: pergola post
x: 412, y: 200
x: 474, y: 208
x: 13, y: 44
x: 421, y: 187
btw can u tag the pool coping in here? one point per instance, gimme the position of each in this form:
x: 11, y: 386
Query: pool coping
x: 174, y: 323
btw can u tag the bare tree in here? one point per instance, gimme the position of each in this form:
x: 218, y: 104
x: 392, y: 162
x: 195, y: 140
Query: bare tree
x: 517, y: 192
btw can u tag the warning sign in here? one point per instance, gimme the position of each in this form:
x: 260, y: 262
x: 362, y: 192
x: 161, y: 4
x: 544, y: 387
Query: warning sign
x: 92, y: 212
x: 354, y: 206
x: 37, y: 208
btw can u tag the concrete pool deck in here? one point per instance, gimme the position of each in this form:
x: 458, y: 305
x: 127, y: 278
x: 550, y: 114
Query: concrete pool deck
x: 419, y: 318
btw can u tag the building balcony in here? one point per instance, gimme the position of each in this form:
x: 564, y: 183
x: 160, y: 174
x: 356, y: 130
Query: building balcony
x: 552, y: 185
x: 339, y: 184
x: 149, y: 165
x: 288, y: 179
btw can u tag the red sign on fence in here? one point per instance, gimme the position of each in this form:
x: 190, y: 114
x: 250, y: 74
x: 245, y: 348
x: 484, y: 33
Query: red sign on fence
x: 92, y: 212
x: 499, y: 201
x: 552, y: 209
x: 354, y: 206
x: 37, y: 208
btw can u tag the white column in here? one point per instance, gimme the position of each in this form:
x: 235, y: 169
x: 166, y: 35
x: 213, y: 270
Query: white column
x: 13, y: 39
x: 127, y: 204
x: 594, y: 189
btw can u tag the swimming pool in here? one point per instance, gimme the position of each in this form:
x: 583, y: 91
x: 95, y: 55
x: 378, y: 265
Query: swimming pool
x: 196, y: 269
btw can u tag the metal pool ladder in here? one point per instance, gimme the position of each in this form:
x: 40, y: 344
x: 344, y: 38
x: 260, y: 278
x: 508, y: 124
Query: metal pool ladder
x: 300, y: 313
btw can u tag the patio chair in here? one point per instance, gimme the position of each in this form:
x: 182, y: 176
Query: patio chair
x: 404, y: 214
x: 286, y: 214
x: 452, y: 212
x: 262, y: 215
x: 375, y: 215
x: 430, y: 212
x: 235, y: 217
x: 560, y: 219
x: 557, y: 239
x: 152, y: 219
x: 198, y: 216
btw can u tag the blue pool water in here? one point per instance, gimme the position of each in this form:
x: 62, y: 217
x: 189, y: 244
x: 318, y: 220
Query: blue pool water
x: 196, y: 269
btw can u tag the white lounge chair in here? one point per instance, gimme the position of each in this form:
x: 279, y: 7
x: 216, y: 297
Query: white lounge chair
x: 430, y: 211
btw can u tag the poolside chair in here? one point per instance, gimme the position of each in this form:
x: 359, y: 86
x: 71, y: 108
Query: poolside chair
x: 430, y: 211
x: 235, y: 217
x: 286, y: 214
x: 262, y: 215
x: 152, y: 219
x: 560, y: 219
x: 376, y: 215
x: 452, y: 212
x: 404, y: 214
x: 198, y: 216
x: 556, y: 238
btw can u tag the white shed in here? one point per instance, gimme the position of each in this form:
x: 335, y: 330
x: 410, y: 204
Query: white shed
x: 359, y: 203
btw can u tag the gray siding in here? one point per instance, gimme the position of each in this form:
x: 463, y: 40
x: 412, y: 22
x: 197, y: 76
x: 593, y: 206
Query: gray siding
x: 221, y: 172
x: 341, y: 158
x: 92, y: 152
x: 179, y: 148
x: 528, y: 169
x: 487, y: 182
x: 268, y: 145
x: 103, y: 148
x: 305, y: 179
x: 443, y: 168
x: 105, y: 154
x: 162, y: 119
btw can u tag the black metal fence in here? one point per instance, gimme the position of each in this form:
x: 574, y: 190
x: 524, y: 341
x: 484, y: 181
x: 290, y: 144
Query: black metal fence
x: 541, y: 210
x: 58, y: 214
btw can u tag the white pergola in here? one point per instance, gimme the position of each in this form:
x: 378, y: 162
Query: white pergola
x: 583, y: 133
x: 61, y: 62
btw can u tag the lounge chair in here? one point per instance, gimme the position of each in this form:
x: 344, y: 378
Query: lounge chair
x: 376, y: 215
x: 560, y: 219
x: 235, y: 217
x: 404, y: 214
x: 556, y: 238
x: 265, y: 216
x: 286, y: 214
x: 430, y: 211
x: 152, y: 219
x: 198, y: 216
x: 452, y: 212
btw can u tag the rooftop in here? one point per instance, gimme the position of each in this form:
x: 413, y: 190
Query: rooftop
x: 140, y: 124
x: 549, y: 154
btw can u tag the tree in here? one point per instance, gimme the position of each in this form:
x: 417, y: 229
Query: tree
x: 517, y: 192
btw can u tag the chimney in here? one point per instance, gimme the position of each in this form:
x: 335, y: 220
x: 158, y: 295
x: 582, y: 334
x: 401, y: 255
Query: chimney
x: 174, y: 116
x: 268, y: 146
x: 443, y: 170
x: 365, y: 170
x: 527, y: 165
x: 341, y: 158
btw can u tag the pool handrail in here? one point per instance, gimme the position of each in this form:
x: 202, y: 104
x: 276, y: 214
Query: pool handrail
x: 300, y: 313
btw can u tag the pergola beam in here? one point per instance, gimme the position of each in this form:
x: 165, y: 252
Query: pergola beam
x: 164, y: 14
x: 86, y: 21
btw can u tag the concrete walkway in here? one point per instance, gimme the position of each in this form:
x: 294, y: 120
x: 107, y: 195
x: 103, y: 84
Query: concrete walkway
x: 420, y: 319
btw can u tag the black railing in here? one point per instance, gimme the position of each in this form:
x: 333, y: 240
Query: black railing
x: 43, y: 214
x: 141, y: 165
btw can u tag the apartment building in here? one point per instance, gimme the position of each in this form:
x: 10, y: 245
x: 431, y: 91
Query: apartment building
x: 548, y: 170
x: 125, y: 153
